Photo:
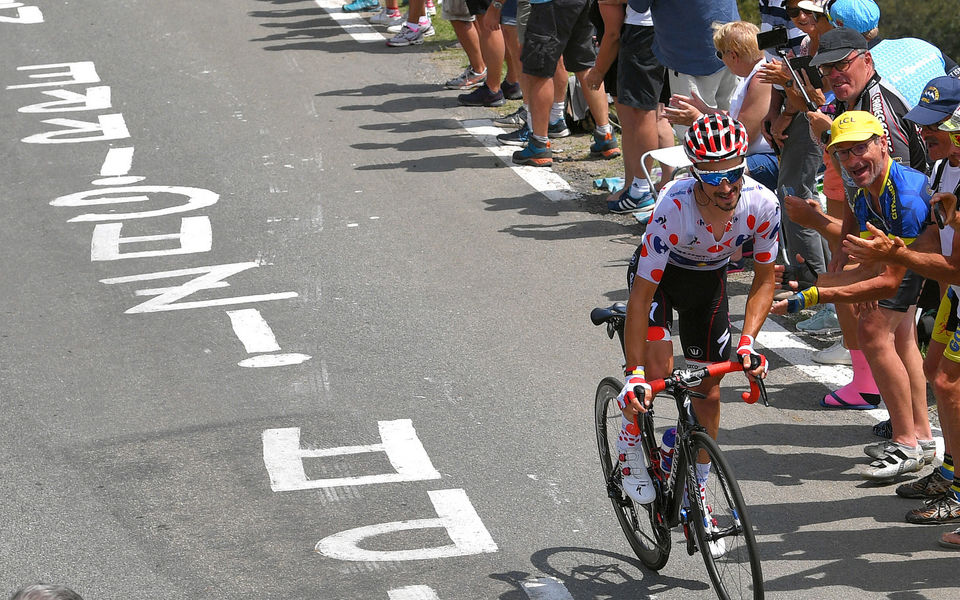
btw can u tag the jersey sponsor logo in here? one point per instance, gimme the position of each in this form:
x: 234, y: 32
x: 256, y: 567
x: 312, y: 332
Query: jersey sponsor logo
x: 658, y: 245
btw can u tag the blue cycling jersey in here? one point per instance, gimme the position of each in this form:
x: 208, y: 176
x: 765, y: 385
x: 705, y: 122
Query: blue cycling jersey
x: 904, y: 207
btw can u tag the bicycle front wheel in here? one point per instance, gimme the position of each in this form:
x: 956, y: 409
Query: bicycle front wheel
x: 642, y: 524
x: 722, y: 529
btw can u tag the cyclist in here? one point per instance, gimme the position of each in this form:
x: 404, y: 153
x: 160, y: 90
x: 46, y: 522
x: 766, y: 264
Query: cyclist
x: 681, y: 264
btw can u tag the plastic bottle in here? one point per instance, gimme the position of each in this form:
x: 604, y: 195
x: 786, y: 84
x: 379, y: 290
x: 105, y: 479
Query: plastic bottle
x: 666, y: 449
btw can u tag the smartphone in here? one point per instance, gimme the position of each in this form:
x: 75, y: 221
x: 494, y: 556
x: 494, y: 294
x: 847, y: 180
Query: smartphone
x: 775, y: 38
x: 802, y: 63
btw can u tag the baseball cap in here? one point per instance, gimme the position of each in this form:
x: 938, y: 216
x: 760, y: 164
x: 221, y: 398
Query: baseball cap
x: 854, y: 126
x: 862, y: 15
x: 812, y: 5
x: 836, y: 44
x: 939, y: 99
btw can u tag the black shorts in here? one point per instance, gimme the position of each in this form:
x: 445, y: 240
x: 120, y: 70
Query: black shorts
x: 478, y: 7
x: 558, y: 28
x: 700, y: 299
x: 906, y: 296
x: 640, y: 77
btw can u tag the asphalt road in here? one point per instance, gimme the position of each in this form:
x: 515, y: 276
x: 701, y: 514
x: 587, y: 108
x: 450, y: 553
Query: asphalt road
x: 261, y: 289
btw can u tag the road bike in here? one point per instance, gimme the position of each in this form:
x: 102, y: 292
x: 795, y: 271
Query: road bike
x: 718, y: 521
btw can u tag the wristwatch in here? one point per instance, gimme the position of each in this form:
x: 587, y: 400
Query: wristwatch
x: 497, y: 5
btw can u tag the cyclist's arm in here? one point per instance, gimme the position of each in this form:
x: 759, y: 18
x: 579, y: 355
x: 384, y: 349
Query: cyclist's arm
x: 635, y: 329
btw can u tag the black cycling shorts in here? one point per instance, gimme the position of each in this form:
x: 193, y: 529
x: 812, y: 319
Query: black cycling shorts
x: 906, y: 295
x: 554, y: 29
x: 700, y: 299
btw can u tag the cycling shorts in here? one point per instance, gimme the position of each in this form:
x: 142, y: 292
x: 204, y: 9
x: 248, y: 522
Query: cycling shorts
x: 945, y: 328
x: 700, y: 299
x: 906, y: 295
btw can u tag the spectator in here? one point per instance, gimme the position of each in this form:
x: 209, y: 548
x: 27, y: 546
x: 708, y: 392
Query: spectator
x: 683, y: 30
x: 641, y: 94
x: 493, y: 51
x: 773, y: 13
x: 43, y: 591
x: 895, y: 198
x: 736, y: 44
x: 907, y: 63
x: 935, y: 254
x: 390, y: 15
x: 466, y: 28
x: 415, y: 29
x: 511, y: 81
x: 559, y: 28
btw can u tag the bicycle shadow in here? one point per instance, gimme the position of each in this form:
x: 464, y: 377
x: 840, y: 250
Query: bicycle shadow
x: 594, y: 574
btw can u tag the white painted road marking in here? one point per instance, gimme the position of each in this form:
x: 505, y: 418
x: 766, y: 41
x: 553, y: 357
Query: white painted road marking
x: 253, y: 331
x: 455, y: 513
x: 543, y: 180
x: 545, y: 588
x: 413, y: 592
x: 352, y: 23
x: 283, y: 457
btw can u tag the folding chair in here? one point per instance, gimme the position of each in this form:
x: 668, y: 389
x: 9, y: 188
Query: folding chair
x: 675, y: 157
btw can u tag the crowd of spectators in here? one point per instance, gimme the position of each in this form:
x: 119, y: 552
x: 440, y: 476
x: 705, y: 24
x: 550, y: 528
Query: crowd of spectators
x: 852, y: 132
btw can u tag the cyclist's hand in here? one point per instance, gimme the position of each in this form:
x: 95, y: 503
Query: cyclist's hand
x: 754, y: 363
x: 636, y: 395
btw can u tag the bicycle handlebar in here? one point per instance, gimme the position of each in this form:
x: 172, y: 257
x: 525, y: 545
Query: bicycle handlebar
x: 689, y: 378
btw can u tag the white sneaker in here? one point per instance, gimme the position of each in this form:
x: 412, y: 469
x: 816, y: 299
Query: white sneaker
x: 429, y: 7
x: 834, y: 355
x: 396, y: 28
x: 636, y: 477
x: 385, y: 18
x: 408, y: 36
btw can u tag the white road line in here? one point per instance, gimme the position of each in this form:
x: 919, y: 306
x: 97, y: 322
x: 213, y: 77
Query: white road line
x: 413, y: 592
x: 352, y: 23
x: 543, y: 180
x: 118, y: 162
x: 545, y: 588
x: 253, y: 330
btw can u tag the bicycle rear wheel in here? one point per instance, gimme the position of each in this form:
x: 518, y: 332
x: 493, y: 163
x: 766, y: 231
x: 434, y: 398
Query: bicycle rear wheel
x: 641, y: 523
x: 731, y: 554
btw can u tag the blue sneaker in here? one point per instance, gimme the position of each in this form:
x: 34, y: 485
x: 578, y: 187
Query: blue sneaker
x: 604, y: 145
x: 626, y: 204
x: 517, y: 137
x: 482, y: 96
x: 361, y: 5
x: 558, y: 129
x: 534, y: 154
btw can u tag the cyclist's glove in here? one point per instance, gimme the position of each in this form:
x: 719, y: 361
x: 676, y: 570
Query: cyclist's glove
x: 803, y: 299
x: 745, y: 348
x: 634, y: 379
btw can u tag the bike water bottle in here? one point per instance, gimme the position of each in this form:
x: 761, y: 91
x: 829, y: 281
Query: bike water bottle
x: 666, y: 449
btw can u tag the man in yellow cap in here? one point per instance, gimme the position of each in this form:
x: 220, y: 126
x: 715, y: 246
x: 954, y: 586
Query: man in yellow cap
x: 892, y: 200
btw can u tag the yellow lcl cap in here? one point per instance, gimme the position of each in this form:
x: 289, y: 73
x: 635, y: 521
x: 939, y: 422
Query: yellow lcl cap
x: 854, y: 126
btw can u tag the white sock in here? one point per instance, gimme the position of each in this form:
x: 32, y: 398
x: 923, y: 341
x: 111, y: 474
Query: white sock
x: 556, y: 112
x: 703, y: 471
x: 639, y: 187
x: 604, y: 129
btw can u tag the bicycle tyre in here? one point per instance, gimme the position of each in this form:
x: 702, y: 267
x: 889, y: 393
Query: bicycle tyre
x: 736, y: 573
x: 641, y: 523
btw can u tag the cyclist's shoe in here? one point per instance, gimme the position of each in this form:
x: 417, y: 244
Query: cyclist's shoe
x: 878, y: 449
x: 936, y: 511
x: 933, y: 485
x: 482, y: 96
x: 637, y: 483
x: 534, y: 154
x: 883, y: 429
x: 515, y: 119
x: 604, y: 145
x: 627, y: 204
x: 896, y: 460
x: 361, y: 5
x: 517, y: 137
x: 558, y: 129
x: 467, y: 80
x: 387, y: 17
x: 409, y: 36
x: 718, y: 547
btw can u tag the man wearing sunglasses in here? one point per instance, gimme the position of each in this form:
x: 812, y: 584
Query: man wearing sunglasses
x: 681, y: 264
x: 892, y: 200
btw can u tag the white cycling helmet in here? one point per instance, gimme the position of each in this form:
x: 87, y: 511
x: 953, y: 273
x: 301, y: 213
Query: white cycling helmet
x: 715, y: 137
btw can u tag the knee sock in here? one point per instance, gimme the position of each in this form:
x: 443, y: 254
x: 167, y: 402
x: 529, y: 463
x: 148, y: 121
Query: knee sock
x: 862, y: 376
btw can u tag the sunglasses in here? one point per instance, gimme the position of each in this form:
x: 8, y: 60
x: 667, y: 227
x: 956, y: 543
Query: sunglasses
x: 841, y: 65
x: 858, y: 150
x: 794, y: 12
x: 715, y: 178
